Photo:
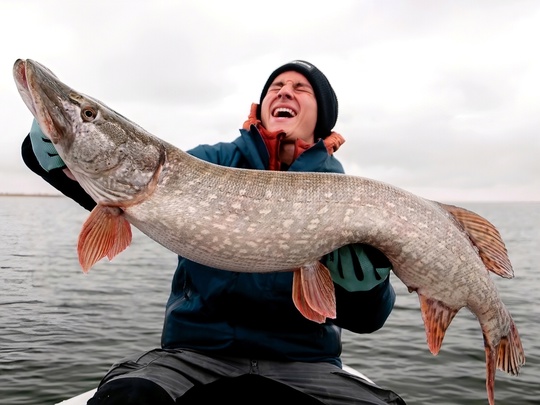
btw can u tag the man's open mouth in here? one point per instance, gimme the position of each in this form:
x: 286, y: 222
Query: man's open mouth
x: 284, y: 112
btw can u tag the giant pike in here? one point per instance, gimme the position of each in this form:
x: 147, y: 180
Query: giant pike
x: 263, y: 221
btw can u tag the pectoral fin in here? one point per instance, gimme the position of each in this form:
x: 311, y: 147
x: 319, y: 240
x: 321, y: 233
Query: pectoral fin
x: 105, y: 233
x: 313, y: 292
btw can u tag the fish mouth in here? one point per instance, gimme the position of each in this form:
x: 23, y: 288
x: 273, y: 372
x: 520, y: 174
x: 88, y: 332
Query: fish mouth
x: 19, y: 73
x: 43, y: 94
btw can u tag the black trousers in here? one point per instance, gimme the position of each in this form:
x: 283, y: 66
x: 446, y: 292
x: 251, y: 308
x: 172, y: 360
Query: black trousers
x: 186, y: 377
x: 243, y: 390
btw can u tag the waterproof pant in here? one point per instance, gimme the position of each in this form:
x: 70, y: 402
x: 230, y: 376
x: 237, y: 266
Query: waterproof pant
x: 186, y: 377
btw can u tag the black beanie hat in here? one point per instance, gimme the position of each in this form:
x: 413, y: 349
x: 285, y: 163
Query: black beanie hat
x: 327, y: 104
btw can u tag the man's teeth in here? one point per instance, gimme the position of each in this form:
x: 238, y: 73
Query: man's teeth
x: 284, y: 112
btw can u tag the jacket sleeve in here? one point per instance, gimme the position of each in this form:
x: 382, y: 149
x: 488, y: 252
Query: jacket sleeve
x: 364, y: 295
x: 364, y: 311
x: 56, y: 177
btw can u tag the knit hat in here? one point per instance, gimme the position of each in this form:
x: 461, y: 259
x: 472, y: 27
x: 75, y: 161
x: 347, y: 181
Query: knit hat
x: 327, y: 104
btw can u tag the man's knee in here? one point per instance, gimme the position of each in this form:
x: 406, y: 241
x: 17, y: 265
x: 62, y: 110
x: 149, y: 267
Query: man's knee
x: 131, y: 391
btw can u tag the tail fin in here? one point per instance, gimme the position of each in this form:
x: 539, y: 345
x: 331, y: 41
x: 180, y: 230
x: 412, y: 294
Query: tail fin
x: 508, y: 356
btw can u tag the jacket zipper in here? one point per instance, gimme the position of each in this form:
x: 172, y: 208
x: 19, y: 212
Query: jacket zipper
x: 254, y: 369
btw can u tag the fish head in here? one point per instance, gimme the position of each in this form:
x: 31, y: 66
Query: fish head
x: 113, y: 159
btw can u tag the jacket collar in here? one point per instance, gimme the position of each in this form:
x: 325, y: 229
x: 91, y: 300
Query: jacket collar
x: 314, y: 159
x: 272, y: 141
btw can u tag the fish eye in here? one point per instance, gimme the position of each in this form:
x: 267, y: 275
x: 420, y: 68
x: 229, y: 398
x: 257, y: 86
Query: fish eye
x: 88, y: 114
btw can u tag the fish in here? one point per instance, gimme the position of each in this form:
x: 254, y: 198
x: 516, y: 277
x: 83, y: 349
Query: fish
x: 267, y: 221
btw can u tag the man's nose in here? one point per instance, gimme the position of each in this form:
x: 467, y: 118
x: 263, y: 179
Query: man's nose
x: 286, y: 90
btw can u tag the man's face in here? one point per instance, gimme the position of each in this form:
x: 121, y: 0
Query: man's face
x: 290, y: 106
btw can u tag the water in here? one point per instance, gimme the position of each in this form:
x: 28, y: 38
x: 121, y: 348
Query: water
x: 60, y: 329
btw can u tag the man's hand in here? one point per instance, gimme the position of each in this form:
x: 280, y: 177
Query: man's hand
x: 357, y: 267
x: 44, y: 149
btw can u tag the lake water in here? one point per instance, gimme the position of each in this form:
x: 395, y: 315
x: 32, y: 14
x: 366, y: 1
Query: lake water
x: 60, y: 329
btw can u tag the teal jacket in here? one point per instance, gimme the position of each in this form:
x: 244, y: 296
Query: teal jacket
x: 250, y: 314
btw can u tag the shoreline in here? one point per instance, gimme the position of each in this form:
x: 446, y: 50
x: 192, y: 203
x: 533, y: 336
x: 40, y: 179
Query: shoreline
x: 29, y: 195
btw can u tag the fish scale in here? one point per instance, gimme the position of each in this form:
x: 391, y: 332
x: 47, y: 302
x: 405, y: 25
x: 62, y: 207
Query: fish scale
x: 264, y: 221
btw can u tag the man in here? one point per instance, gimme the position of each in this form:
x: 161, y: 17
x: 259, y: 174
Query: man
x: 228, y: 333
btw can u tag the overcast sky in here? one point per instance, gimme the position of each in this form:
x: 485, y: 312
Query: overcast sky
x: 441, y: 98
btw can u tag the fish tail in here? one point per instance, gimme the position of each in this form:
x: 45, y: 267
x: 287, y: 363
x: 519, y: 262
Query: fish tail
x: 508, y: 356
x: 491, y: 361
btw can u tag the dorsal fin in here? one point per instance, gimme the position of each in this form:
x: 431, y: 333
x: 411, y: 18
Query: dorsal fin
x: 486, y: 238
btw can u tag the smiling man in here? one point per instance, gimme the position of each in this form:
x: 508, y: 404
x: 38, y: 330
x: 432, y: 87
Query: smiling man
x: 297, y: 106
x: 237, y: 334
x: 290, y: 107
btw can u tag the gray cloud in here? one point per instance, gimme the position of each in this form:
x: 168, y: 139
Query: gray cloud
x: 441, y: 98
